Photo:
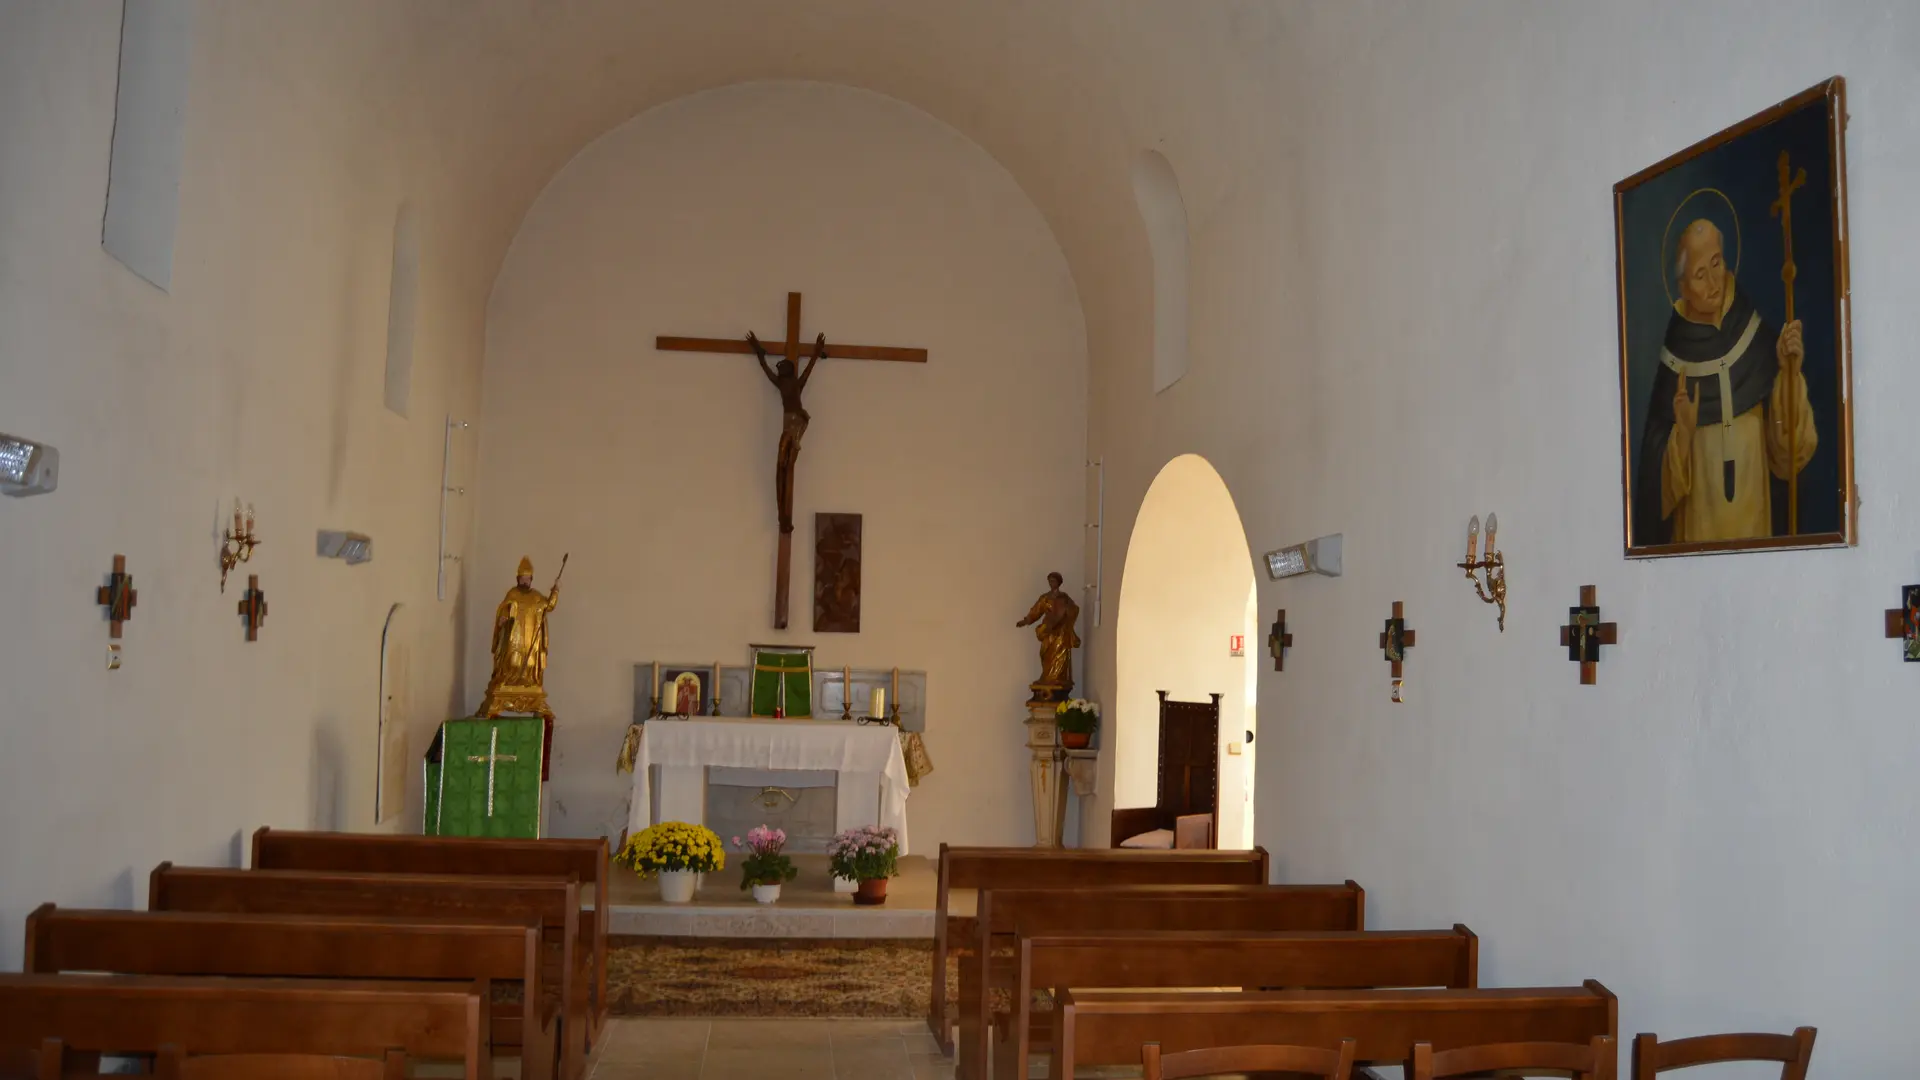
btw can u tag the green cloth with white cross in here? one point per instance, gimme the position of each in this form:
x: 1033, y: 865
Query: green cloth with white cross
x: 483, y: 777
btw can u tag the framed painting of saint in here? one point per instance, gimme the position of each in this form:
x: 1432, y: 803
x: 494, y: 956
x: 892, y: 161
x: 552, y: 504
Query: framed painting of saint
x: 1735, y: 373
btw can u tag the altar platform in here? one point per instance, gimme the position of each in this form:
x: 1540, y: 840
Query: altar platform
x: 808, y: 906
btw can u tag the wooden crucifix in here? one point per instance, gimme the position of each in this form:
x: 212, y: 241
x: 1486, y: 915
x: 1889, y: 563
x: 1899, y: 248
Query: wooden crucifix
x: 1585, y: 633
x: 253, y: 607
x: 1903, y: 622
x: 791, y: 381
x: 118, y: 597
x: 1395, y: 640
x: 1280, y: 640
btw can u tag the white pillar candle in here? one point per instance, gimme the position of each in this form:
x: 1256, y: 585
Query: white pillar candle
x: 879, y: 702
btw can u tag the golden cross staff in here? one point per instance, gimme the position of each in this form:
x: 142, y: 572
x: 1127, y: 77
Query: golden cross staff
x: 569, y: 555
x: 1790, y: 182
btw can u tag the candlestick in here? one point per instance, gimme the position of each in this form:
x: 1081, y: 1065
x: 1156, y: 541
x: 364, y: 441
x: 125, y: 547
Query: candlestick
x: 1473, y: 536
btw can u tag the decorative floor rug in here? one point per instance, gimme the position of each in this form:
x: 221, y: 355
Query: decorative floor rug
x: 865, y: 978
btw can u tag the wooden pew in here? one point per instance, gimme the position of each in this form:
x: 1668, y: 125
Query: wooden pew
x: 1041, y: 868
x: 1325, y: 959
x: 998, y: 913
x: 312, y: 946
x: 134, y: 1014
x: 362, y: 853
x: 552, y: 902
x: 1095, y: 1027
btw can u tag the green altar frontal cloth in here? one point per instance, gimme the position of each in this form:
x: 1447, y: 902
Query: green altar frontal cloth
x: 483, y: 777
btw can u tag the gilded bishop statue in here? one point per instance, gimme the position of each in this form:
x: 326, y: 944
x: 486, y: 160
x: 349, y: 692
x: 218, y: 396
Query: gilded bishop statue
x: 520, y: 648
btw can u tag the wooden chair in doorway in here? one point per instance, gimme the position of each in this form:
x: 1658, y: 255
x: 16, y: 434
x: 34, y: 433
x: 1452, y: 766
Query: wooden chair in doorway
x: 1221, y: 1060
x: 1652, y: 1057
x: 1595, y: 1060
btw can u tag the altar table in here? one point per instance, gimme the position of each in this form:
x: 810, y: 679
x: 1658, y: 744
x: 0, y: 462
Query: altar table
x: 867, y: 758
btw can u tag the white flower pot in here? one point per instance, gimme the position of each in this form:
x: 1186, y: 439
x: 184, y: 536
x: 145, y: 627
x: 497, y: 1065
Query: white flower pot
x: 844, y: 885
x: 766, y: 894
x: 676, y: 886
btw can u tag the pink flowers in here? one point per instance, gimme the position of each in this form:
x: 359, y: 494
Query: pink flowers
x: 763, y: 841
x: 865, y: 853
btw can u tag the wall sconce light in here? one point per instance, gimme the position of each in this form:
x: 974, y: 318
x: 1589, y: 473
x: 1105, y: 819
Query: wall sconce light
x: 27, y: 468
x: 1493, y: 567
x: 1320, y: 556
x: 354, y: 547
x: 239, y: 543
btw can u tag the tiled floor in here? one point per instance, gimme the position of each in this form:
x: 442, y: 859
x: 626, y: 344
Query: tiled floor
x: 674, y: 1049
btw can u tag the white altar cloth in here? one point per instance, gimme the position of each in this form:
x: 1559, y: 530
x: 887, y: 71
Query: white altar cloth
x: 683, y: 749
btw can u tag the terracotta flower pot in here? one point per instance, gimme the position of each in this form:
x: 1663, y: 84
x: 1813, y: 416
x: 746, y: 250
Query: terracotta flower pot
x: 871, y: 891
x: 1076, y: 740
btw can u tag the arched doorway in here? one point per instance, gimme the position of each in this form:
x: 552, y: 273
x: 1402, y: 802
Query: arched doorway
x: 1187, y: 587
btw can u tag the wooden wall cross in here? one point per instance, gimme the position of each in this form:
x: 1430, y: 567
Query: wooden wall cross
x: 118, y: 597
x: 1903, y: 622
x: 253, y: 607
x: 1279, y: 641
x: 790, y: 380
x: 1395, y: 640
x: 1585, y: 633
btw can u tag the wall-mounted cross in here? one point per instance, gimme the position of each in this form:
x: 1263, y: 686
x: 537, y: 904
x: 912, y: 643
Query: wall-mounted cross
x: 1279, y: 641
x: 118, y: 597
x: 1395, y: 640
x: 791, y: 382
x: 1904, y: 622
x: 1585, y: 633
x: 253, y: 607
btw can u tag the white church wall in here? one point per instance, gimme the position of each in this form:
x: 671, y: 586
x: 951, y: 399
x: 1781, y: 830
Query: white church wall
x: 1404, y: 316
x: 655, y: 469
x: 258, y: 375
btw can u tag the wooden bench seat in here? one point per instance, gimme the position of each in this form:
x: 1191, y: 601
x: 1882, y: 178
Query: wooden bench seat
x: 374, y: 853
x: 998, y: 913
x: 1332, y: 960
x: 1097, y: 1027
x: 314, y: 946
x: 553, y: 903
x: 1038, y: 868
x: 135, y: 1014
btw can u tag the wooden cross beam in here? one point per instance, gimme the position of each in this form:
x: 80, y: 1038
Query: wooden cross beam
x: 796, y: 417
x: 253, y: 607
x: 1585, y: 633
x: 118, y: 597
x: 1279, y: 641
x: 1903, y: 622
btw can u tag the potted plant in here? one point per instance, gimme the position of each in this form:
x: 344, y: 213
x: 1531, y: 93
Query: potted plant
x: 765, y: 867
x: 1077, y: 719
x: 869, y: 855
x: 677, y: 852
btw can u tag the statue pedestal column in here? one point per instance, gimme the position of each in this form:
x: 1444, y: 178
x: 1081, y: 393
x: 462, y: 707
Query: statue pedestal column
x: 1048, y: 774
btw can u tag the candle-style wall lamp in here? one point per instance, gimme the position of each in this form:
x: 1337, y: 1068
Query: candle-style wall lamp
x: 239, y: 543
x: 1493, y: 568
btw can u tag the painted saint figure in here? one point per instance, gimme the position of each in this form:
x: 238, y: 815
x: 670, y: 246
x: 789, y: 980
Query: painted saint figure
x: 793, y: 424
x: 1053, y: 618
x: 1729, y: 414
x: 520, y: 648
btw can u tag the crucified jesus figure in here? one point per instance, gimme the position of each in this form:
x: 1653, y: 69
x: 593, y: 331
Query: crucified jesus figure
x: 790, y: 383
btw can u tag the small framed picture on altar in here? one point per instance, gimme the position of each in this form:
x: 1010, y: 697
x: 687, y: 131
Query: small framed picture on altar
x: 782, y: 682
x: 684, y: 690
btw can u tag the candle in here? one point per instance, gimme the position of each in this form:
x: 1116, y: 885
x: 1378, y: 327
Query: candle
x: 236, y: 517
x: 879, y: 703
x: 249, y: 519
x: 656, y: 688
x: 715, y: 710
x: 896, y: 690
x: 1473, y: 536
x: 1492, y: 524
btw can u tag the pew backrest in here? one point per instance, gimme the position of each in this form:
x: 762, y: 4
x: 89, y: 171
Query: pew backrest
x: 126, y: 1014
x: 308, y: 946
x: 1104, y: 1027
x: 380, y: 853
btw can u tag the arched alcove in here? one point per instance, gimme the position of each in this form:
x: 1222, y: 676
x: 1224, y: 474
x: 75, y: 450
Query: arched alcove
x: 1156, y: 191
x: 1186, y: 589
